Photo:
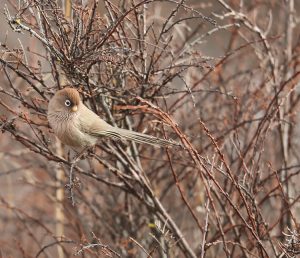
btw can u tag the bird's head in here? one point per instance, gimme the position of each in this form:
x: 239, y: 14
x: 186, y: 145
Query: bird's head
x: 65, y: 101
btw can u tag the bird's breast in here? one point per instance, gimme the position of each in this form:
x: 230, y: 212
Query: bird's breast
x: 68, y: 130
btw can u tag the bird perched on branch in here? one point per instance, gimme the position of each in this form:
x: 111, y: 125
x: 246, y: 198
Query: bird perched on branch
x: 79, y: 127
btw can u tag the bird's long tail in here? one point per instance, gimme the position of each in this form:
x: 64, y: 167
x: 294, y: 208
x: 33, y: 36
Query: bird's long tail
x: 122, y: 134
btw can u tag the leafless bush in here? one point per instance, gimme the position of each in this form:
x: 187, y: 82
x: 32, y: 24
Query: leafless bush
x: 218, y: 76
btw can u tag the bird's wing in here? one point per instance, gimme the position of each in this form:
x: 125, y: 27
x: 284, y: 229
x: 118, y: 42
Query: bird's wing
x: 95, y: 126
x: 90, y: 122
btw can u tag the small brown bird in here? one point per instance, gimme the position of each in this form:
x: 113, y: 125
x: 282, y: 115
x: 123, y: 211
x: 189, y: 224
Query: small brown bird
x: 79, y: 127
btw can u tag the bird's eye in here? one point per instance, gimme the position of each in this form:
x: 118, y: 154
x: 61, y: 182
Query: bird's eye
x: 67, y: 103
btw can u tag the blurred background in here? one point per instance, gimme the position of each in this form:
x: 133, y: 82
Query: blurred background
x: 221, y: 77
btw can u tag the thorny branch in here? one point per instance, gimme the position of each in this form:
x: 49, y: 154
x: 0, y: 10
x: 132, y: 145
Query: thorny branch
x: 142, y: 65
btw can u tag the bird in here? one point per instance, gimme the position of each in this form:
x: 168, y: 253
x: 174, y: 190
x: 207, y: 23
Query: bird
x: 79, y: 127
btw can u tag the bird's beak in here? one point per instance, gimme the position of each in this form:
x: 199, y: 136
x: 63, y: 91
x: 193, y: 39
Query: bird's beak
x: 74, y: 108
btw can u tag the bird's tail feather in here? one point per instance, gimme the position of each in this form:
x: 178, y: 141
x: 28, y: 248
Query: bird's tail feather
x: 119, y: 133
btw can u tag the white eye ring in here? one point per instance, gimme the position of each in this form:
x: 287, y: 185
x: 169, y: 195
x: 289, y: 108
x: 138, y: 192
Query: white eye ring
x: 67, y: 103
